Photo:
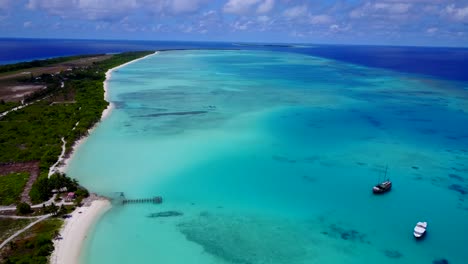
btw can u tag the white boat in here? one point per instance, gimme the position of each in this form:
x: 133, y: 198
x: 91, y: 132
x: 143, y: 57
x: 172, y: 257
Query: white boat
x: 420, y: 229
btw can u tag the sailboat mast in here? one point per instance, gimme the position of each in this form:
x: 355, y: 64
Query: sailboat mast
x: 386, y: 168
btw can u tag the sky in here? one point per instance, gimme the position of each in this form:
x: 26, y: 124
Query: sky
x: 384, y: 22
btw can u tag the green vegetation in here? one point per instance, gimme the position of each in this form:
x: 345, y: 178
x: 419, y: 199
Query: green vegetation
x: 39, y: 63
x: 35, y: 245
x: 23, y: 208
x: 11, y: 187
x: 5, y: 106
x: 9, y: 226
x: 35, y: 132
x: 44, y: 186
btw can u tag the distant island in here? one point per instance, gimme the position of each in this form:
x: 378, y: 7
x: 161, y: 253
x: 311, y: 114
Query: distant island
x: 265, y: 45
x: 46, y: 106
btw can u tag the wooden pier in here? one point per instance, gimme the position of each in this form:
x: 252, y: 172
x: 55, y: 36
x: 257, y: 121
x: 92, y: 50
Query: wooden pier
x: 155, y: 200
x: 119, y: 198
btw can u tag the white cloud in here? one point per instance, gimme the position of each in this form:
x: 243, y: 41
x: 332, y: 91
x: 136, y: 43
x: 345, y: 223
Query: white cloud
x: 431, y: 30
x: 210, y: 20
x: 5, y: 4
x: 266, y: 6
x: 380, y: 9
x: 295, y: 12
x: 112, y: 9
x: 459, y: 14
x: 263, y: 19
x: 239, y: 6
x: 27, y: 24
x: 396, y: 8
x: 90, y: 9
x: 335, y: 28
x: 241, y: 25
x: 296, y: 34
x: 55, y: 7
x: 185, y: 6
x: 103, y: 9
x: 186, y: 29
x: 321, y: 19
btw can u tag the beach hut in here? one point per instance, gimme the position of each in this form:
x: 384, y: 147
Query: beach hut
x: 70, y: 196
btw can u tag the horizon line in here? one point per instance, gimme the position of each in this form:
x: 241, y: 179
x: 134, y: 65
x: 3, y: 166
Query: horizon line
x: 240, y: 42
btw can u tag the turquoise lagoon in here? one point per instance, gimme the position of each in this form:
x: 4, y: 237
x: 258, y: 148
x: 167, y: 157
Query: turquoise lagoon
x: 271, y: 158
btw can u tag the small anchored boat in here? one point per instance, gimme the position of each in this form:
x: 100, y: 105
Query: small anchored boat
x: 383, y: 186
x: 420, y: 229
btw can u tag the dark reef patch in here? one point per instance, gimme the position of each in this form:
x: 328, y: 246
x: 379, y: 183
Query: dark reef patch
x: 361, y: 163
x: 372, y: 120
x: 456, y: 177
x: 119, y: 104
x: 248, y: 239
x: 283, y: 159
x: 459, y: 169
x: 440, y: 261
x: 175, y: 114
x: 428, y: 131
x: 394, y: 254
x: 166, y: 214
x: 352, y: 235
x: 311, y: 159
x: 309, y: 178
x: 418, y: 177
x: 458, y: 188
x: 415, y: 167
x: 419, y: 120
x: 437, y: 180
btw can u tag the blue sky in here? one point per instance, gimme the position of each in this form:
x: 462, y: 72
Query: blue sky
x: 389, y: 22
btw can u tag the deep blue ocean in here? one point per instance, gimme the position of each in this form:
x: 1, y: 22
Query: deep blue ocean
x: 439, y: 62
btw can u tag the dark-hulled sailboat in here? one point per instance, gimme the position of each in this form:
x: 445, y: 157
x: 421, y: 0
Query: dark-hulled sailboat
x: 384, y: 186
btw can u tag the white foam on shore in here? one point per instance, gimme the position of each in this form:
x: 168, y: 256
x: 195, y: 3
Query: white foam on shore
x: 75, y: 232
x: 65, y: 162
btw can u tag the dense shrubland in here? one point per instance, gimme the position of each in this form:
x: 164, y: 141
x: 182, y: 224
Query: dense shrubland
x: 39, y: 63
x: 35, y: 132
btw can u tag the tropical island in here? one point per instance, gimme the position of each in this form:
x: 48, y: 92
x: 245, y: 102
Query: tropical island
x: 46, y: 107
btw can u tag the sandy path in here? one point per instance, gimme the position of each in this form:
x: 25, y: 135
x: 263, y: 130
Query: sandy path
x: 24, y: 229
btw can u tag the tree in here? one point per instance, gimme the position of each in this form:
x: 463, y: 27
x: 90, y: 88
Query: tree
x: 62, y: 210
x: 23, y: 208
x: 43, y: 188
x: 82, y: 192
x: 52, y: 209
x: 12, y: 245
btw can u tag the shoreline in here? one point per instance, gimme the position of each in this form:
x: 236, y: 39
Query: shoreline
x: 63, y: 165
x: 75, y: 230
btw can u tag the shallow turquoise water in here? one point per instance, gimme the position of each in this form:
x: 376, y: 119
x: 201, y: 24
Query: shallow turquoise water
x: 271, y: 158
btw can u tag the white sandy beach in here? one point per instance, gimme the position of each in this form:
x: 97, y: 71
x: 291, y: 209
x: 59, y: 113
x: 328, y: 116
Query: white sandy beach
x: 75, y: 232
